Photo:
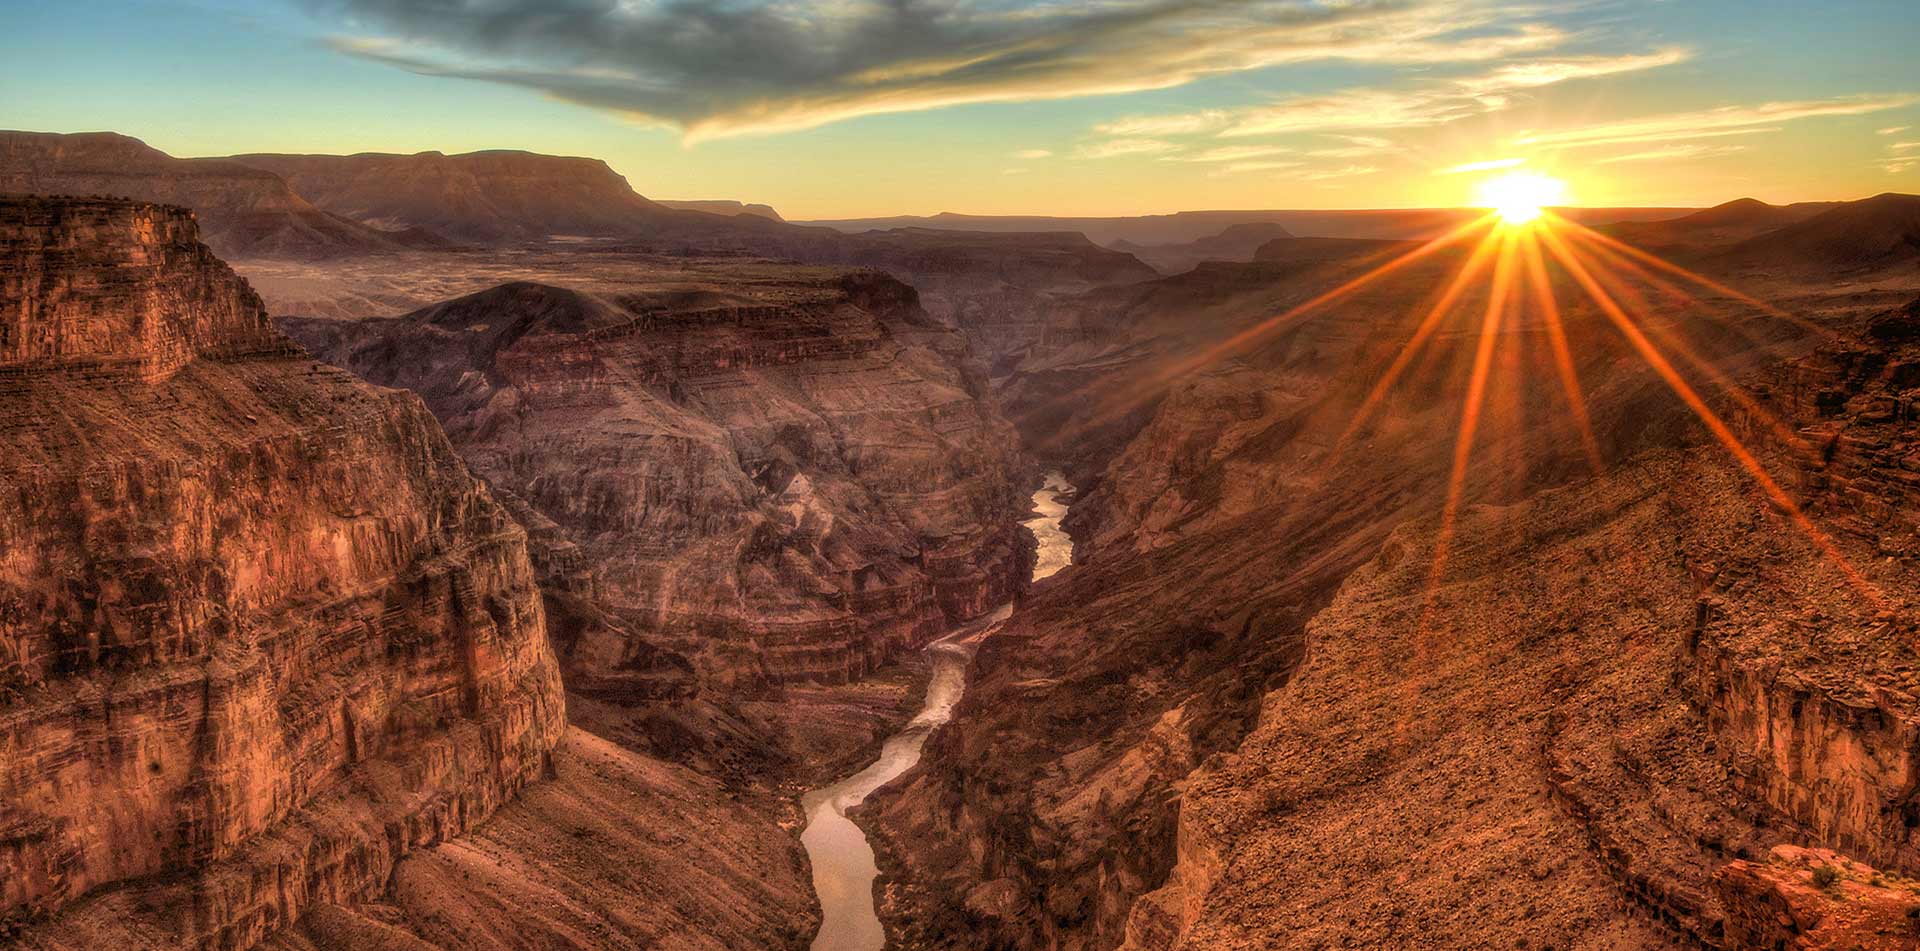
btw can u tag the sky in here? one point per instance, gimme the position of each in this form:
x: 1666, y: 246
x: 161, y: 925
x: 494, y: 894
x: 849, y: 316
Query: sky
x: 846, y: 108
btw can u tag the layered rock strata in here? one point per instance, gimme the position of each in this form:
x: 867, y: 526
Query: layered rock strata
x: 774, y: 475
x: 261, y: 635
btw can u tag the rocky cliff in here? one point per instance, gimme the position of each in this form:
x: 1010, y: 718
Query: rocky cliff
x: 741, y: 476
x: 261, y: 635
x: 1285, y: 700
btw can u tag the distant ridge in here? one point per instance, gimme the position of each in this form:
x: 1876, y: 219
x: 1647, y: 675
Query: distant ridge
x: 725, y: 206
x: 490, y: 197
x: 1187, y: 226
x: 243, y: 211
x: 1872, y: 233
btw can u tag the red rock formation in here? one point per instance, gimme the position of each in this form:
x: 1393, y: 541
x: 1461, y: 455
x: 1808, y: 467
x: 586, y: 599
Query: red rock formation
x: 772, y: 474
x: 261, y: 635
x: 1807, y: 899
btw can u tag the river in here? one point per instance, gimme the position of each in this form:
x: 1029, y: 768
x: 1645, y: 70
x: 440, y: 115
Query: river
x: 843, y: 866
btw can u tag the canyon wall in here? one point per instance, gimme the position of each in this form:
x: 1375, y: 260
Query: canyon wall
x: 261, y: 635
x: 1283, y: 700
x: 740, y: 476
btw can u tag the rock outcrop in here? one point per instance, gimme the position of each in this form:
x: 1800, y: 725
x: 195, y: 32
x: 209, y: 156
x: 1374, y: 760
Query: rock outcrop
x: 740, y: 476
x: 261, y: 635
x: 1805, y: 899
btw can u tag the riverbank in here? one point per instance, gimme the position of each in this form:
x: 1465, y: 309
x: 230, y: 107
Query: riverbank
x: 845, y: 868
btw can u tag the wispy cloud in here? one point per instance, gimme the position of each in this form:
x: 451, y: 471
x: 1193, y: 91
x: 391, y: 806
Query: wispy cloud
x: 1033, y: 153
x: 1891, y: 130
x: 755, y: 66
x: 1238, y: 168
x: 1708, y: 123
x: 1231, y: 153
x: 1547, y: 72
x: 1350, y: 171
x: 1486, y: 166
x: 1430, y: 103
x: 1114, y: 148
x: 1672, y: 153
x: 1191, y: 123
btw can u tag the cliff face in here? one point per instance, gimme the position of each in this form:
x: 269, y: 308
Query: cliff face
x: 743, y: 476
x: 243, y: 211
x: 1253, y: 715
x: 261, y: 635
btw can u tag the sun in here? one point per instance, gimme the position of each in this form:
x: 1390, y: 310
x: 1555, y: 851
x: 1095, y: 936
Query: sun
x: 1518, y: 197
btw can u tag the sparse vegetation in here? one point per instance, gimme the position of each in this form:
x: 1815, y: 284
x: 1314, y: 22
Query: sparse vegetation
x: 1825, y: 876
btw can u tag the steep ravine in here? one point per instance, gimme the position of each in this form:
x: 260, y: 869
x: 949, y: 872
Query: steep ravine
x: 842, y: 859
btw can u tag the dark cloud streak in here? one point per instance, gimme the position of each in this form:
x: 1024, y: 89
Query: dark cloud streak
x: 730, y: 66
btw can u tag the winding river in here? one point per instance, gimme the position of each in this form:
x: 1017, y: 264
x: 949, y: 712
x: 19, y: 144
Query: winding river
x: 843, y: 866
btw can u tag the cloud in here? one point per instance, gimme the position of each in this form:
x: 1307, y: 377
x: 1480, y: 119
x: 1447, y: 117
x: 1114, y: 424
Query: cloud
x: 1672, y: 153
x: 1435, y: 102
x: 1904, y: 146
x: 1114, y: 148
x: 1350, y: 151
x: 1547, y: 72
x: 1891, y: 130
x: 1900, y: 165
x: 1033, y: 153
x: 1355, y: 109
x: 1486, y: 166
x: 1350, y: 171
x: 1241, y: 167
x: 1708, y: 123
x: 1192, y: 123
x: 756, y: 66
x: 1231, y: 153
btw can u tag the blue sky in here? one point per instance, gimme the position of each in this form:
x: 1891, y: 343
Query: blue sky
x: 858, y: 107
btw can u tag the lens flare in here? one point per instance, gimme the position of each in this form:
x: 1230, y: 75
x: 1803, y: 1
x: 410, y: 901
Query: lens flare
x: 1519, y: 197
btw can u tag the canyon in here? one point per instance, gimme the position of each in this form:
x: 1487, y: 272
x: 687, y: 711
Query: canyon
x: 491, y: 557
x: 743, y: 476
x: 1368, y: 716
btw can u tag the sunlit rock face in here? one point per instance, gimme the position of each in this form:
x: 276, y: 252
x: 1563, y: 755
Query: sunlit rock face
x: 741, y: 475
x: 1254, y: 714
x: 261, y: 634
